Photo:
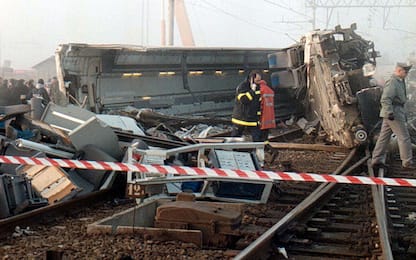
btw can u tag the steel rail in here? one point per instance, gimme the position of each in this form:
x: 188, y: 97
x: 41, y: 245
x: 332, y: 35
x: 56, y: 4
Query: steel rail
x: 380, y: 210
x: 50, y: 211
x: 259, y: 248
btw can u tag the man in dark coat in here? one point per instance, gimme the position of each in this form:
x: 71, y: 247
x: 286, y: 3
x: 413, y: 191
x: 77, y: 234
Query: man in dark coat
x: 40, y: 92
x: 18, y: 93
x: 4, y: 93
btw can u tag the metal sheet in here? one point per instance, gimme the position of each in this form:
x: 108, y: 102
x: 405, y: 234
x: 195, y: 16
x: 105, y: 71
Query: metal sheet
x: 66, y: 118
x: 123, y: 123
x: 94, y: 132
x: 235, y: 160
x: 7, y: 112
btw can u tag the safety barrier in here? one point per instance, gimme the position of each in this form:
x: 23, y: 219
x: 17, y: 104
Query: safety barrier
x: 208, y: 172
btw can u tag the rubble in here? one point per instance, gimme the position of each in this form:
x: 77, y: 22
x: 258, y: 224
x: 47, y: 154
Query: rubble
x: 70, y: 132
x: 307, y: 127
x: 18, y: 232
x: 24, y: 188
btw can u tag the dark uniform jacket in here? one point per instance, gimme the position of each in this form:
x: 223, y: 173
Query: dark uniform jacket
x: 246, y: 110
x: 40, y: 93
x: 16, y: 94
x: 4, y: 96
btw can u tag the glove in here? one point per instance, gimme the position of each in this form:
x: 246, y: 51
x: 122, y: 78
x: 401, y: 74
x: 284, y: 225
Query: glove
x: 391, y: 116
x: 253, y: 86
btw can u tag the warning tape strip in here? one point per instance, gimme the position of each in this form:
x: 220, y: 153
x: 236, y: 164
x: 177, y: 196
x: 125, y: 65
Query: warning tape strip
x: 207, y: 172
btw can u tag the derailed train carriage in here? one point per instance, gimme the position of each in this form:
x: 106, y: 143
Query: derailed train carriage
x: 320, y: 77
x: 172, y: 80
x: 329, y: 73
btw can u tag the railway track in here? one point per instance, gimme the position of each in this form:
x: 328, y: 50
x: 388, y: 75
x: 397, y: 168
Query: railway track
x: 319, y: 225
x: 348, y: 222
x: 400, y: 213
x: 300, y: 221
x: 48, y: 213
x: 63, y: 231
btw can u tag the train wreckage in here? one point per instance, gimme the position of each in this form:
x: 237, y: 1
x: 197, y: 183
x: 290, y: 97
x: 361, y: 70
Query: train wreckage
x: 324, y: 79
x: 321, y: 78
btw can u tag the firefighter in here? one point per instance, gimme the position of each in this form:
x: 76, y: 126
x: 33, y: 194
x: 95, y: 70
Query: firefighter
x: 246, y: 112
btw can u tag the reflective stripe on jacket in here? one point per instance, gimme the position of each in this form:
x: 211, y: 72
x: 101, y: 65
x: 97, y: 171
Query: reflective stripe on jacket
x: 247, y: 105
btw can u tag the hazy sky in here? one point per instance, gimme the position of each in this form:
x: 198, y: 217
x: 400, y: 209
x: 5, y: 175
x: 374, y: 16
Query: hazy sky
x: 30, y: 30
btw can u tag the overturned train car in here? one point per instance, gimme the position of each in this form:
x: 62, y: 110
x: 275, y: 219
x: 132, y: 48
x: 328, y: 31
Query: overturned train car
x: 329, y: 73
x: 321, y: 77
x: 171, y: 80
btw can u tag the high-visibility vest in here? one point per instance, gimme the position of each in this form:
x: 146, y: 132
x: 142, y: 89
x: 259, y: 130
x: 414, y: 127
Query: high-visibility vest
x: 267, y: 118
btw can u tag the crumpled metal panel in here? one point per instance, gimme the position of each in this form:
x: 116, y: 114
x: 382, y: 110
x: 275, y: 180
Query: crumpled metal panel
x: 83, y: 128
x: 7, y: 112
x: 336, y: 57
x: 334, y: 60
x: 217, y: 221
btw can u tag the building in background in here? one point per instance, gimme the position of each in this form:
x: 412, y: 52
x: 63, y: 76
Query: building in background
x: 8, y: 72
x: 45, y: 69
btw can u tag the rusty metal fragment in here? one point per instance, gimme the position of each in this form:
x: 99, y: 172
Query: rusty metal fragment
x: 217, y: 221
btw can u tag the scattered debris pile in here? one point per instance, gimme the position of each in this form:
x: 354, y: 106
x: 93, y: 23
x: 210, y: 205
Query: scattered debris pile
x: 70, y: 132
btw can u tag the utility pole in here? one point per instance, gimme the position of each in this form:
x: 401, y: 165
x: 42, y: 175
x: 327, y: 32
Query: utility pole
x: 163, y: 25
x: 184, y: 25
x: 171, y: 21
x: 313, y: 17
x: 176, y: 11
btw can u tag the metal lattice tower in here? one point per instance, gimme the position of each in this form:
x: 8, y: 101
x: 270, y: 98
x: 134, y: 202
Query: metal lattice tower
x: 330, y: 5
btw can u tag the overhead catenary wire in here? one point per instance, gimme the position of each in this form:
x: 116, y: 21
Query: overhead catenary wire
x: 198, y: 25
x: 257, y: 25
x: 287, y: 8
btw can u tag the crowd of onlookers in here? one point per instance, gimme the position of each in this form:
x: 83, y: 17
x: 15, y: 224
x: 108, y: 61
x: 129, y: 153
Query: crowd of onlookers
x: 13, y: 91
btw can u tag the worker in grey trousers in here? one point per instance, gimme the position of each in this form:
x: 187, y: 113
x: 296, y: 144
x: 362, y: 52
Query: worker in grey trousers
x: 394, y: 119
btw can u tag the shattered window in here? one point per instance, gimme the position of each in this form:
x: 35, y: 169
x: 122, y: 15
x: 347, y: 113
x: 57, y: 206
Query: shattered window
x: 339, y: 37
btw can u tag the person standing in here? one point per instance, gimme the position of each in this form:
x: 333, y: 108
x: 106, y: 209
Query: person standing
x: 40, y: 92
x: 30, y: 85
x: 4, y: 94
x: 18, y: 92
x: 394, y: 119
x: 267, y: 117
x: 54, y: 90
x: 246, y: 111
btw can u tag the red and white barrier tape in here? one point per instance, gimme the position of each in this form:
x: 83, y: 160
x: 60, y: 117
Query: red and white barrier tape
x: 207, y: 172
